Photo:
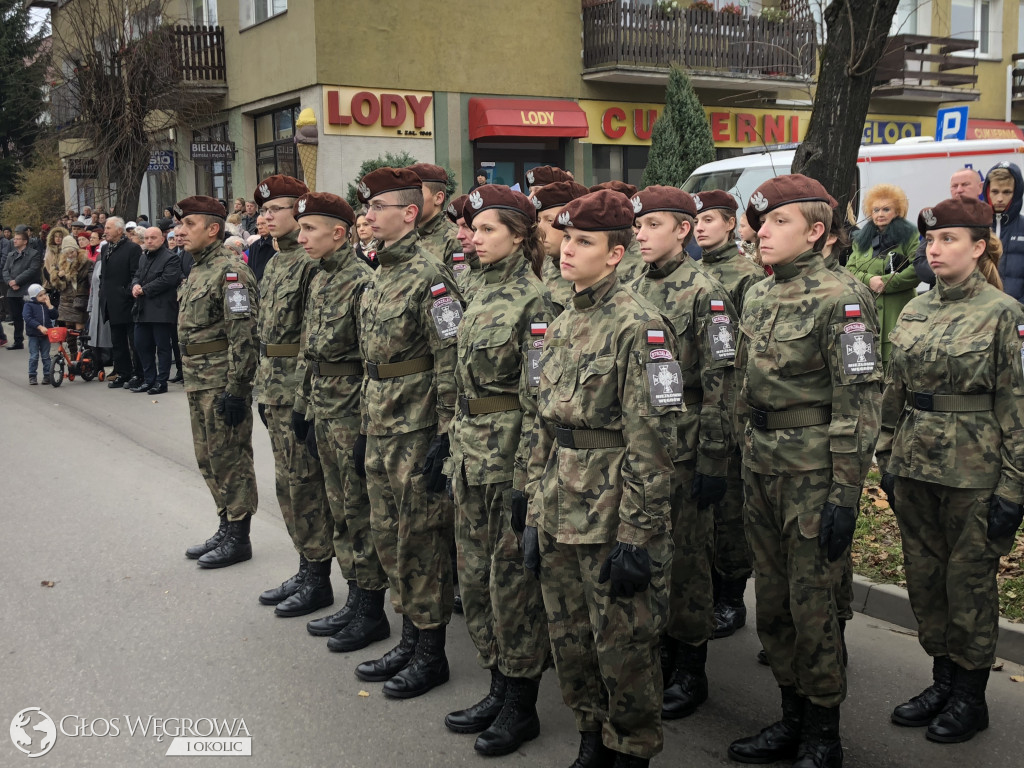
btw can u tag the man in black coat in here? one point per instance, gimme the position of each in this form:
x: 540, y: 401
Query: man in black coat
x: 120, y: 261
x: 262, y: 250
x: 155, y: 288
x: 22, y: 267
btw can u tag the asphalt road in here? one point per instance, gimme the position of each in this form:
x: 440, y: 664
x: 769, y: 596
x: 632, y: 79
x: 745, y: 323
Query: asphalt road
x: 100, y: 495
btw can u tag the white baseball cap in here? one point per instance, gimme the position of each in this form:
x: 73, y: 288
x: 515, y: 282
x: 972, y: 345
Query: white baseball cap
x: 130, y: 225
x: 34, y: 290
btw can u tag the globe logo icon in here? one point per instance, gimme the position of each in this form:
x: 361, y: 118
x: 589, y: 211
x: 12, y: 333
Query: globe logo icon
x: 33, y: 732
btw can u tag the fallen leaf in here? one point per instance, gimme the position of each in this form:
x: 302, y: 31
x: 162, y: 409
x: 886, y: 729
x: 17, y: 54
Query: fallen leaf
x: 997, y: 667
x: 1017, y: 678
x: 881, y: 504
x: 47, y: 583
x: 364, y: 694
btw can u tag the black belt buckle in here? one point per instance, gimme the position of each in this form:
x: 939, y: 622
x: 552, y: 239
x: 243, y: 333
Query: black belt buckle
x: 565, y: 437
x: 371, y: 371
x: 924, y: 401
x: 758, y: 418
x: 315, y: 365
x: 464, y: 405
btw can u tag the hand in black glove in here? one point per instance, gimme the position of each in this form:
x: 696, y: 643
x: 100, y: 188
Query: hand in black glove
x: 232, y: 408
x: 629, y: 568
x: 836, y: 532
x: 299, y: 425
x: 262, y: 409
x: 433, y: 464
x: 310, y: 440
x: 359, y: 455
x: 888, y: 486
x: 531, y: 551
x: 1004, y: 517
x: 449, y: 488
x: 518, y: 505
x: 707, y: 490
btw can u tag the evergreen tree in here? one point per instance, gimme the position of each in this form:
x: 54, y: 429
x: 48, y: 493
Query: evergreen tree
x: 390, y: 160
x: 681, y: 139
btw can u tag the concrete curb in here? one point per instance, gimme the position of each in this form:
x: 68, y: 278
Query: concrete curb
x: 892, y: 604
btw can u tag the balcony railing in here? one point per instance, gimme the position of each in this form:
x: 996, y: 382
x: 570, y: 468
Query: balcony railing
x: 927, y: 69
x: 631, y: 33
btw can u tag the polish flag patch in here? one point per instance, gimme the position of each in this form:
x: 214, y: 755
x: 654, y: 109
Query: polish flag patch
x: 718, y: 306
x: 853, y: 310
x: 655, y: 337
x: 231, y: 277
x: 538, y: 329
x: 458, y: 257
x: 438, y: 290
x: 1020, y: 331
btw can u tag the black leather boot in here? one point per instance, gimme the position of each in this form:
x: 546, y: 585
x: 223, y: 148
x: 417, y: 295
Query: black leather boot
x: 368, y: 625
x: 924, y: 707
x: 630, y: 761
x: 287, y: 588
x: 780, y: 740
x: 326, y: 626
x: 689, y: 688
x: 392, y: 662
x: 593, y: 753
x: 517, y: 722
x: 427, y: 670
x: 966, y: 712
x: 730, y: 610
x: 479, y: 717
x: 820, y: 746
x: 314, y: 593
x: 235, y: 547
x: 198, y: 550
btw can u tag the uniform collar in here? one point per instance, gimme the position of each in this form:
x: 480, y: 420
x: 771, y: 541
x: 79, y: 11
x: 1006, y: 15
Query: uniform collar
x: 504, y: 269
x: 805, y: 263
x: 430, y: 227
x: 672, y: 263
x: 332, y: 262
x: 288, y: 242
x: 400, y: 250
x: 969, y: 288
x: 200, y: 256
x: 595, y: 294
x: 721, y: 253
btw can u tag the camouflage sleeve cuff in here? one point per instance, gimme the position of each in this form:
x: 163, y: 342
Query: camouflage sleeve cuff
x: 844, y: 495
x: 300, y: 403
x: 1010, y: 489
x: 630, y: 534
x: 238, y: 390
x: 706, y: 465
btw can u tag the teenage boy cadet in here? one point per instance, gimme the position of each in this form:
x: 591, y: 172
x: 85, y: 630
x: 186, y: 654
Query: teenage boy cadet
x: 326, y: 411
x: 549, y: 201
x: 810, y: 359
x: 704, y: 322
x: 600, y: 488
x: 408, y: 320
x: 437, y: 233
x: 298, y: 479
x: 465, y: 262
x: 1004, y: 191
x: 721, y: 258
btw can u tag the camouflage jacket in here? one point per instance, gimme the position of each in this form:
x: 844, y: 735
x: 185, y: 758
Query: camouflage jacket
x: 329, y: 336
x: 558, y: 287
x: 705, y: 324
x: 966, y: 339
x: 466, y: 269
x: 608, y: 363
x: 438, y: 238
x: 410, y: 311
x: 809, y: 343
x: 284, y: 290
x: 501, y: 334
x: 632, y: 264
x: 219, y: 301
x: 733, y: 270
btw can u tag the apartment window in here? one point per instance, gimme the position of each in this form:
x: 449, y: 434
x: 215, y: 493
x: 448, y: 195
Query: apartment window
x: 904, y: 21
x: 204, y: 12
x: 978, y: 20
x: 254, y: 11
x: 275, y: 147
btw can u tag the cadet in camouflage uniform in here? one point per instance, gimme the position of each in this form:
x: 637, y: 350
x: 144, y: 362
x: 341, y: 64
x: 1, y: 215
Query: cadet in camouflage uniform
x: 217, y: 332
x: 704, y: 321
x: 549, y: 201
x: 600, y: 487
x: 632, y: 264
x: 465, y: 262
x: 811, y: 380
x: 542, y: 175
x: 330, y: 373
x: 298, y: 479
x: 499, y: 346
x: 435, y: 229
x: 408, y: 320
x: 952, y: 457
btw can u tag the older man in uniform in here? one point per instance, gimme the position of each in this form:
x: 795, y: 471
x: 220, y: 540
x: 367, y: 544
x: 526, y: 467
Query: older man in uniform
x: 408, y: 321
x: 549, y: 200
x: 298, y: 480
x: 436, y: 232
x: 217, y: 332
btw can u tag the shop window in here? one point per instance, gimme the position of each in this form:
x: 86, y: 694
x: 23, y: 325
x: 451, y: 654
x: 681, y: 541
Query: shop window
x: 621, y: 163
x: 213, y: 177
x: 275, y: 147
x: 255, y: 11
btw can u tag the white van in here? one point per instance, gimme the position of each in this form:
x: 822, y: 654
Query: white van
x: 920, y: 166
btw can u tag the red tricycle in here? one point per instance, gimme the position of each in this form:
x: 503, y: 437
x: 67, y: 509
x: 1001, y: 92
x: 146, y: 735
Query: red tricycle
x: 85, y: 363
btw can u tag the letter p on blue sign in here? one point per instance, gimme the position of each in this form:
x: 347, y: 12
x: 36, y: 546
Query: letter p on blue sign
x: 951, y: 123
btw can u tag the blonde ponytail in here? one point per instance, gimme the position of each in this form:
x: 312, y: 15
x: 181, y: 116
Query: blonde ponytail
x: 988, y: 262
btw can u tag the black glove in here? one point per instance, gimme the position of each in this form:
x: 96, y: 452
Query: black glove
x: 1004, y: 517
x: 449, y: 488
x: 232, y: 408
x: 299, y: 425
x: 433, y: 464
x: 628, y: 567
x: 888, y: 485
x: 707, y: 490
x: 262, y: 409
x: 531, y: 551
x: 518, y: 504
x: 359, y: 455
x: 836, y: 532
x: 310, y: 440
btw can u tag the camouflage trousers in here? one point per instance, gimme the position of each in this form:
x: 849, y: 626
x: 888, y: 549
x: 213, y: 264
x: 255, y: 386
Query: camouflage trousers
x: 691, y: 602
x: 502, y: 601
x: 300, y: 489
x: 412, y: 529
x: 224, y: 455
x: 844, y: 592
x: 350, y: 504
x: 951, y: 569
x: 732, y: 552
x: 606, y: 649
x: 795, y: 584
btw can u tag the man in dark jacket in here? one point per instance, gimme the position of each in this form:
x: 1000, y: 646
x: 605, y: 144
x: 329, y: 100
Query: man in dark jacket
x: 262, y: 250
x: 155, y: 289
x: 120, y: 262
x: 249, y: 217
x: 22, y: 267
x: 1004, y: 190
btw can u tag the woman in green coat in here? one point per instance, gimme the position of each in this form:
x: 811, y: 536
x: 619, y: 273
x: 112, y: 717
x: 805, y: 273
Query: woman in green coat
x: 883, y: 256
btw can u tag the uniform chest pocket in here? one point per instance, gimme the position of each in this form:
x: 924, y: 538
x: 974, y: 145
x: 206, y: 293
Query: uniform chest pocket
x: 492, y: 356
x: 598, y: 385
x: 969, y: 361
x: 558, y: 374
x: 687, y: 352
x: 796, y: 348
x: 202, y: 307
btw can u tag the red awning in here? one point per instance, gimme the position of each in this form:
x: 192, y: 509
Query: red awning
x: 993, y: 129
x: 526, y: 117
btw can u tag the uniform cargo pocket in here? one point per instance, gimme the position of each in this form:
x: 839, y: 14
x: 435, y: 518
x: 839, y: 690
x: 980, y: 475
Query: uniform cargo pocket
x: 796, y: 348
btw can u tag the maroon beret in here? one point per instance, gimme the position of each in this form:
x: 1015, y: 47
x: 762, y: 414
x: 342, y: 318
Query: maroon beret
x: 278, y: 185
x: 454, y: 209
x: 597, y: 212
x: 324, y: 204
x: 207, y: 206
x: 546, y: 174
x: 958, y: 212
x: 715, y: 199
x: 387, y: 180
x: 783, y: 190
x: 659, y: 198
x: 498, y: 196
x: 618, y: 186
x: 557, y: 194
x: 429, y: 172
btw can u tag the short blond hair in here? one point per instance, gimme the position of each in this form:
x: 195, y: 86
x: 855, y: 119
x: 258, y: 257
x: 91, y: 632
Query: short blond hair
x: 886, y: 192
x: 814, y: 211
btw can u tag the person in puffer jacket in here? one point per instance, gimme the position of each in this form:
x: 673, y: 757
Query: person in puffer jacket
x: 1004, y: 189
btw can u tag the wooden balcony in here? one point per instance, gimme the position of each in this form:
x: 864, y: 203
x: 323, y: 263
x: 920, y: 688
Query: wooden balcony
x: 629, y: 41
x: 922, y: 68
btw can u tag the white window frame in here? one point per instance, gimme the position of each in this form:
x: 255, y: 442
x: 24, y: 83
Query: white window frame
x: 990, y: 48
x: 247, y: 11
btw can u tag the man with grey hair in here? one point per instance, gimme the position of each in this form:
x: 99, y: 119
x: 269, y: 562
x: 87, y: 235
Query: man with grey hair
x: 120, y: 262
x: 155, y: 288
